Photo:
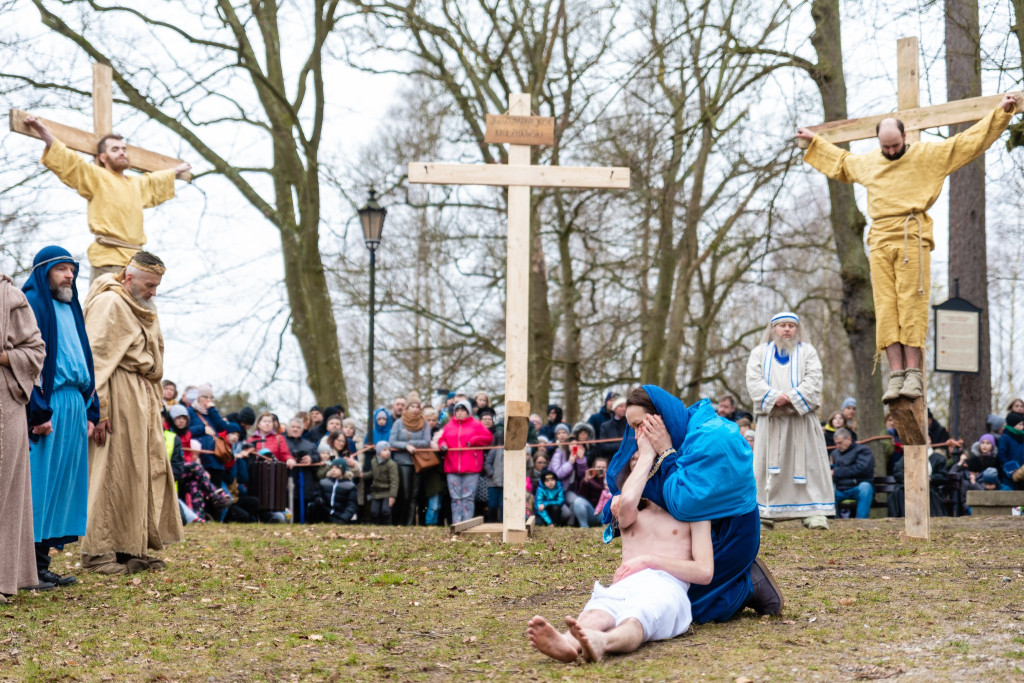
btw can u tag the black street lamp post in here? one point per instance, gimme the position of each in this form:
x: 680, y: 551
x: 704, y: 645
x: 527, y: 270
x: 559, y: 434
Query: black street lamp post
x: 372, y: 217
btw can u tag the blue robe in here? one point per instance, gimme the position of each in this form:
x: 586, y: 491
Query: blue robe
x: 710, y: 477
x: 60, y: 460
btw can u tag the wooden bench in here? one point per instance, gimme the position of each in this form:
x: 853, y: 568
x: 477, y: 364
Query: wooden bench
x: 994, y: 502
x: 882, y: 485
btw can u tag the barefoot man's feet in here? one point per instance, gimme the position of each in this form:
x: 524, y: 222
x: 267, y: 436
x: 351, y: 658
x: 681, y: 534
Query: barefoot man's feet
x: 546, y: 639
x: 592, y: 643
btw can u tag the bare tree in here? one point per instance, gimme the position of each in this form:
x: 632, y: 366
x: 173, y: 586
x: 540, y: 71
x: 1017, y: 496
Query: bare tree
x: 236, y: 76
x: 968, y: 251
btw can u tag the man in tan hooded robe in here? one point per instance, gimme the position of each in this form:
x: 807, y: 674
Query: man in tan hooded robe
x: 22, y: 352
x: 132, y: 506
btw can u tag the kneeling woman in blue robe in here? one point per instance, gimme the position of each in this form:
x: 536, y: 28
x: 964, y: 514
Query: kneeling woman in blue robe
x: 704, y: 471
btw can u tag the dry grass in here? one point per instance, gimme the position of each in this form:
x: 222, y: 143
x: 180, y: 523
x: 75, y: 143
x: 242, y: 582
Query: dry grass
x: 365, y: 603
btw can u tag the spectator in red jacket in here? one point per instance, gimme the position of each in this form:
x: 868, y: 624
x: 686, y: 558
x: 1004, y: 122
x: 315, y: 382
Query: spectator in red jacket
x: 462, y: 467
x: 265, y: 436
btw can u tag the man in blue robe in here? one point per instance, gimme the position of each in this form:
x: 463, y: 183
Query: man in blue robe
x: 63, y: 409
x: 704, y: 471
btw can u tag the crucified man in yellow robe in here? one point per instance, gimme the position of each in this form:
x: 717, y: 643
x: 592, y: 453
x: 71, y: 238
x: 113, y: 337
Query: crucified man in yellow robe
x: 115, y: 200
x: 904, y: 181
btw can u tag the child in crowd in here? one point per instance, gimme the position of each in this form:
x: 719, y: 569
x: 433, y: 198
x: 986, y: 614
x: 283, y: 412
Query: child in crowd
x: 540, y: 463
x: 550, y: 498
x: 337, y: 489
x: 587, y: 506
x: 383, y: 484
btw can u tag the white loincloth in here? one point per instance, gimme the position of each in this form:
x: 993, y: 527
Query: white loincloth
x: 653, y: 597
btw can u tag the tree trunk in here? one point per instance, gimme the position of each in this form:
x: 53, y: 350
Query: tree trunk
x: 858, y: 308
x: 542, y: 335
x: 568, y: 296
x: 968, y: 255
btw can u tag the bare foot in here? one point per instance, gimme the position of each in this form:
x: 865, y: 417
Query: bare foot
x: 546, y: 639
x: 592, y: 643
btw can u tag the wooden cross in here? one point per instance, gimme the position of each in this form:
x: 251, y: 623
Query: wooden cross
x: 102, y: 124
x: 910, y: 416
x: 520, y: 130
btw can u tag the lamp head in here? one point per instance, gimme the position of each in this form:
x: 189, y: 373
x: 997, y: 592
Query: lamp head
x: 372, y: 217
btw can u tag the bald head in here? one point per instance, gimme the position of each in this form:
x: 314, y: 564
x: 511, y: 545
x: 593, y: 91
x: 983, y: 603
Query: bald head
x: 891, y: 138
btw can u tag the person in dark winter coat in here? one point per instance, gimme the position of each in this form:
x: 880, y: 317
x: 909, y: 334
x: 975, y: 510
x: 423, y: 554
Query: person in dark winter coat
x: 614, y: 428
x: 554, y: 419
x: 1011, y: 448
x: 853, y: 472
x: 605, y: 414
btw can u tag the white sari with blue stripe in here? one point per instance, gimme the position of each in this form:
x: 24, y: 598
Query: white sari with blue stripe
x: 790, y: 461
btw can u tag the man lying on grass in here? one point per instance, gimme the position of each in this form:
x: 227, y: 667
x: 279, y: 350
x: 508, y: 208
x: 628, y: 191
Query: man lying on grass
x: 647, y: 600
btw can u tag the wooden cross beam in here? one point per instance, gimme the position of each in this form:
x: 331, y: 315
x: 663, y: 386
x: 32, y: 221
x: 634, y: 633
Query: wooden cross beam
x: 103, y: 122
x: 521, y: 130
x: 915, y: 118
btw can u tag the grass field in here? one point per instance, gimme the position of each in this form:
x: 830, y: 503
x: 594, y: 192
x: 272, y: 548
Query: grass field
x: 371, y: 603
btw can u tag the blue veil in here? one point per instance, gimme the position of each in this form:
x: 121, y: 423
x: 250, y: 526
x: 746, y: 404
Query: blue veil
x: 37, y: 291
x: 711, y: 475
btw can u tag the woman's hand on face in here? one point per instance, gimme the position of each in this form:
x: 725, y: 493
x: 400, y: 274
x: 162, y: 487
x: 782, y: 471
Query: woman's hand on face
x: 644, y: 445
x: 656, y: 433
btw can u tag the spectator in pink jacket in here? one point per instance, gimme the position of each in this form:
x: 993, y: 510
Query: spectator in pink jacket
x: 462, y: 467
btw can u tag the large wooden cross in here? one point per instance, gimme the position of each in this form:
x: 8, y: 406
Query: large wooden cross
x: 102, y: 124
x: 911, y: 416
x: 521, y: 130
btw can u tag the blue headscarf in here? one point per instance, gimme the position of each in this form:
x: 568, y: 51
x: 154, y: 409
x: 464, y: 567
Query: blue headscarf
x: 711, y: 474
x: 379, y: 433
x: 37, y: 291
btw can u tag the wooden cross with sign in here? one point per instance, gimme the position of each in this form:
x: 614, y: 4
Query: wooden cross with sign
x: 910, y: 416
x: 520, y: 130
x: 102, y: 124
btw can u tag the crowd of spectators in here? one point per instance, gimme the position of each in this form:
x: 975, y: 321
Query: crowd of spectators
x: 994, y: 461
x: 421, y: 465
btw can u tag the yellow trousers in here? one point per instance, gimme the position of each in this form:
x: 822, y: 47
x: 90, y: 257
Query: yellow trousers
x: 900, y: 291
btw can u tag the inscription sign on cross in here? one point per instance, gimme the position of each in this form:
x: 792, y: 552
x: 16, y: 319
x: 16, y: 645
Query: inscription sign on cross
x: 910, y: 415
x: 519, y: 176
x: 103, y: 122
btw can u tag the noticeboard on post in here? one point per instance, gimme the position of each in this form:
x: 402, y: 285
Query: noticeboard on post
x: 957, y: 336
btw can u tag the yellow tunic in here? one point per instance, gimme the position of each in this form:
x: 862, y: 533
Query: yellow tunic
x: 115, y: 202
x: 912, y: 183
x: 899, y: 195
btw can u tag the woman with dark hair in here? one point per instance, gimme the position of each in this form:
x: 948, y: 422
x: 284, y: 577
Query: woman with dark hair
x: 836, y: 421
x: 704, y: 471
x: 1016, y: 406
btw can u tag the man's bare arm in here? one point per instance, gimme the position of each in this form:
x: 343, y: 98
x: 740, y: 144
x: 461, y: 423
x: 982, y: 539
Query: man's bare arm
x: 633, y: 488
x: 700, y: 570
x: 44, y: 132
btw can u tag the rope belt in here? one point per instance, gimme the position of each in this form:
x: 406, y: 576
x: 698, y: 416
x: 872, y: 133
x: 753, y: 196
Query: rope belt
x: 114, y: 242
x: 920, y: 249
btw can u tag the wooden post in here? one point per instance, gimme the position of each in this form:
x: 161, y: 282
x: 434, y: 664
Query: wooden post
x: 916, y: 485
x: 520, y: 131
x: 908, y: 80
x: 102, y: 99
x: 517, y: 336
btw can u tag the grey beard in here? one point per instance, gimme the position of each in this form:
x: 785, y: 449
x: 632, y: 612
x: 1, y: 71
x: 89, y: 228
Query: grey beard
x: 62, y: 293
x: 785, y: 345
x: 148, y: 304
